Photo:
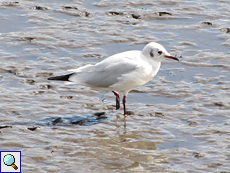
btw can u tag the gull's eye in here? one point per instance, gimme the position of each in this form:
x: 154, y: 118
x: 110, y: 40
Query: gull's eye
x: 159, y: 52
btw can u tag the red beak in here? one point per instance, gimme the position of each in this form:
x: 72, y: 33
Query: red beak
x: 171, y: 57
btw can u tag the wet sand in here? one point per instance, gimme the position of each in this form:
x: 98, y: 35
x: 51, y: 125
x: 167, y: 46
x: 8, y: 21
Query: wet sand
x: 181, y: 117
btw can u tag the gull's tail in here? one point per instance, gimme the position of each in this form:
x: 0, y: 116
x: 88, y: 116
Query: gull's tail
x: 61, y: 78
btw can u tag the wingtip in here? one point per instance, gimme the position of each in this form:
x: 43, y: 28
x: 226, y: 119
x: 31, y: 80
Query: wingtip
x: 61, y: 78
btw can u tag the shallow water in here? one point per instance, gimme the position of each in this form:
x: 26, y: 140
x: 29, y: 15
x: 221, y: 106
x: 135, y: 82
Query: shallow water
x: 181, y: 117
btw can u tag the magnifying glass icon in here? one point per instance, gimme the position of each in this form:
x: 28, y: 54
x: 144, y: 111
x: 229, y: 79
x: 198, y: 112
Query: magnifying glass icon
x: 9, y: 160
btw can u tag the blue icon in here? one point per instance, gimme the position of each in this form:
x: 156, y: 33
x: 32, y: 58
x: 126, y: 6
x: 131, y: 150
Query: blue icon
x: 9, y: 160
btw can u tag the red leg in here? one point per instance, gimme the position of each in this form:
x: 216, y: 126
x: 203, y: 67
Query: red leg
x: 124, y: 104
x: 117, y: 99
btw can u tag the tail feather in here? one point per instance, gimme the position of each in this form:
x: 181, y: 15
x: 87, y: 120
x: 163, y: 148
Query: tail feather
x: 61, y: 78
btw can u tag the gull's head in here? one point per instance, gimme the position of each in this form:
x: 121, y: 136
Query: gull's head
x: 157, y: 52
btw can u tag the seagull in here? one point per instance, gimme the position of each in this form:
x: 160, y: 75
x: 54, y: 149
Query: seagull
x: 121, y: 72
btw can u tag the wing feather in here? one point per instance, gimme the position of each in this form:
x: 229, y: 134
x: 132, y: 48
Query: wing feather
x: 107, y: 72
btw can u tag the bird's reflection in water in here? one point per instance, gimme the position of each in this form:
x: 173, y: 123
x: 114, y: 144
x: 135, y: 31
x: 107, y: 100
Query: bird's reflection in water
x: 121, y: 129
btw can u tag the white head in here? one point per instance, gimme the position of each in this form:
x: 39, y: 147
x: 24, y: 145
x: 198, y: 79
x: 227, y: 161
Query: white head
x: 157, y: 52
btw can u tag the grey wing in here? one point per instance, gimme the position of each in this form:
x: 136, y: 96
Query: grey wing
x: 103, y: 74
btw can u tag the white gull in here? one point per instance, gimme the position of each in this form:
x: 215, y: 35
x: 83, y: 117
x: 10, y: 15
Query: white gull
x: 120, y: 72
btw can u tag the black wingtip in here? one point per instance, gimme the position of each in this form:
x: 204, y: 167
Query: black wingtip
x: 61, y: 78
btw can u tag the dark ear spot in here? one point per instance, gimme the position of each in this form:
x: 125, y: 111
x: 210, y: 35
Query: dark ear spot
x: 151, y: 53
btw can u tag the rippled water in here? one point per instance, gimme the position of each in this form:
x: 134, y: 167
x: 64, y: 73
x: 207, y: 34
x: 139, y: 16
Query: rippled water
x: 181, y: 117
